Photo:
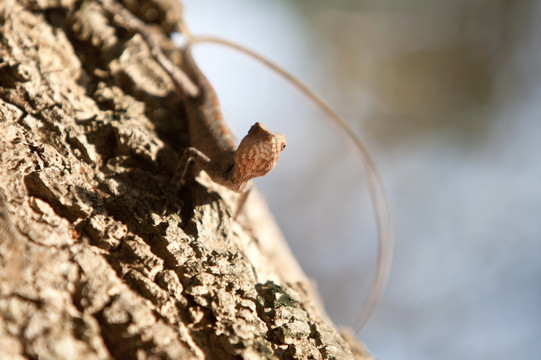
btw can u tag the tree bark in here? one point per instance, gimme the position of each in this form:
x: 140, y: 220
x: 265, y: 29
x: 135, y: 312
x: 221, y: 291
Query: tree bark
x: 98, y: 259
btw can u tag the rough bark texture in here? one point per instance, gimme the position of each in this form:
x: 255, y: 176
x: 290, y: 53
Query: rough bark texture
x: 97, y: 259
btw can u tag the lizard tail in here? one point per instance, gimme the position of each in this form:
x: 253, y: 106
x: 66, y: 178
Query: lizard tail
x: 375, y: 184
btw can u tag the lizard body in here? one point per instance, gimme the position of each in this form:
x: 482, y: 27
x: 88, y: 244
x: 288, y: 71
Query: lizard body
x: 207, y: 129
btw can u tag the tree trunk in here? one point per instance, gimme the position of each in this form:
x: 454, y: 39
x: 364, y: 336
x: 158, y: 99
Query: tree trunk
x: 98, y: 259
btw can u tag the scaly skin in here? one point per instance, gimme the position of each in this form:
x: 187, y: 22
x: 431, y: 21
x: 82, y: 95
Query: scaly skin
x: 207, y: 128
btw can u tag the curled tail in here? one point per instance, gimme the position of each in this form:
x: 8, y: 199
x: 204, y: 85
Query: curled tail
x: 375, y: 184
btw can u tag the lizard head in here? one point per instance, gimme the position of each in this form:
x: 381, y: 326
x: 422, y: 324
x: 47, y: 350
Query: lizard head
x: 257, y: 154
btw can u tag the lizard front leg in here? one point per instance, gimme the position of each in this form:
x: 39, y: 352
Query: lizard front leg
x: 194, y: 157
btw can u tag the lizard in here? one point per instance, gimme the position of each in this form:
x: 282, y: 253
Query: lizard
x: 374, y: 182
x: 222, y: 153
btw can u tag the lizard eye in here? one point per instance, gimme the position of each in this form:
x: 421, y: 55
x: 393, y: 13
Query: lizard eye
x: 283, y: 147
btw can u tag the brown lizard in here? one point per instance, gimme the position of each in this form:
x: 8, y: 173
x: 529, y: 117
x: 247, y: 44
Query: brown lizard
x: 212, y: 148
x: 373, y: 179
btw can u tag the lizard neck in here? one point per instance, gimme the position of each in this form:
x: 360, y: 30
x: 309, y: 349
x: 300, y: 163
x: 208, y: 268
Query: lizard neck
x: 207, y: 128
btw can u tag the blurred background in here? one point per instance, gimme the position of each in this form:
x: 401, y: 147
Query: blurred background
x: 447, y: 97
